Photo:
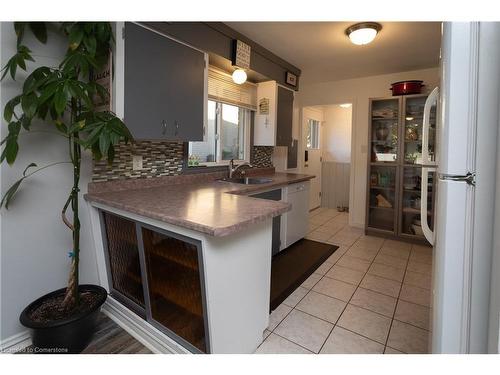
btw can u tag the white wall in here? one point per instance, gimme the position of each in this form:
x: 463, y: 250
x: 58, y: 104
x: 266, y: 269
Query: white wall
x: 34, y: 243
x: 358, y: 91
x: 336, y: 143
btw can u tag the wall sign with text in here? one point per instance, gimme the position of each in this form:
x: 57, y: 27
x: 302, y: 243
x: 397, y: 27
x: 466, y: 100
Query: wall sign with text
x: 241, y: 54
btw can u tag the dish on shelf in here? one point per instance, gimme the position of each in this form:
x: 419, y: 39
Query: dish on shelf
x: 417, y: 230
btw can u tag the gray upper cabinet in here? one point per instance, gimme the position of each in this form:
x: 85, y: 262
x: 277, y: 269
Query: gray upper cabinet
x: 284, y: 117
x: 165, y: 94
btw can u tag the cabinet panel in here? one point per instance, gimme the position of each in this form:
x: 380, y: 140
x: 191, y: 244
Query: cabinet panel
x: 284, y: 117
x: 384, y: 130
x: 382, y: 198
x: 165, y: 82
x: 123, y: 258
x: 174, y: 283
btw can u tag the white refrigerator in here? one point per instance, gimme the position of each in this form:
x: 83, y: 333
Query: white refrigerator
x: 465, y: 135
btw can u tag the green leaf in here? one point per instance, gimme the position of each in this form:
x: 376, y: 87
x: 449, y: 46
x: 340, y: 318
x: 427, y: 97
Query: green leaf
x: 9, y: 194
x: 48, y: 92
x: 39, y: 29
x: 75, y: 37
x: 104, y: 142
x: 29, y: 104
x: 61, y: 126
x: 60, y: 99
x: 90, y: 43
x: 28, y: 167
x: 19, y: 28
x: 111, y: 154
x: 10, y: 151
x: 10, y: 107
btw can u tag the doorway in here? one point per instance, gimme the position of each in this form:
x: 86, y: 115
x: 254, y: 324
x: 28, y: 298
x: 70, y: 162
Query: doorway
x: 327, y: 142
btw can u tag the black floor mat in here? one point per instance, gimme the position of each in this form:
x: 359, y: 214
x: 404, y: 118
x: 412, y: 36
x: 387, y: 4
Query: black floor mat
x: 294, y: 265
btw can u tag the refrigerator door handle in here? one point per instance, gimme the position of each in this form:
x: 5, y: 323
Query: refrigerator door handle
x: 431, y: 99
x: 469, y: 178
x: 428, y: 233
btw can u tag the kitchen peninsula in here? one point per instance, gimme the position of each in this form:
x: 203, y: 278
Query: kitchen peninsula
x: 188, y: 258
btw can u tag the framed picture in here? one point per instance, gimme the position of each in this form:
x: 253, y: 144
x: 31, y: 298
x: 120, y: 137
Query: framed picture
x: 291, y: 79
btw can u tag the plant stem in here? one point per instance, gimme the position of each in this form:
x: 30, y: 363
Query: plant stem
x: 72, y: 297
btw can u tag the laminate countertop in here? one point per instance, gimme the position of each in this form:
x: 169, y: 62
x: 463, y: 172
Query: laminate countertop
x: 217, y: 208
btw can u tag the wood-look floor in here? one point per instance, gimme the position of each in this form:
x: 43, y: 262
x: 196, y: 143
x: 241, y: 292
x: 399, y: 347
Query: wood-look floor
x: 110, y: 338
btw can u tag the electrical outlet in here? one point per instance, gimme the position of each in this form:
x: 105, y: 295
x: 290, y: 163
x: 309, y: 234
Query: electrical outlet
x: 136, y: 162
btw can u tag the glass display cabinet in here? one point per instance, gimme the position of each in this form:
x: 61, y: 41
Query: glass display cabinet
x: 395, y: 169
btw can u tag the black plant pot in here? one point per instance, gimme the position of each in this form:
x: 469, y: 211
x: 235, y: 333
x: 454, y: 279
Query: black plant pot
x: 70, y: 335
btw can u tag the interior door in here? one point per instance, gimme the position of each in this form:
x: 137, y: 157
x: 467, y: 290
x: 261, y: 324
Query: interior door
x: 312, y: 157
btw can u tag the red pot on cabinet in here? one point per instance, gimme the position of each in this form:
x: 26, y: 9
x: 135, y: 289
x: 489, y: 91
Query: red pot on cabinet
x: 407, y: 87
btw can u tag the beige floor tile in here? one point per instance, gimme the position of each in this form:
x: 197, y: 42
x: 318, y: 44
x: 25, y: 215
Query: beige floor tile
x: 304, y: 330
x: 277, y: 316
x: 367, y: 323
x: 400, y: 253
x: 421, y: 257
x: 345, y: 274
x: 394, y: 244
x: 354, y: 263
x: 311, y: 228
x: 315, y: 220
x: 265, y: 334
x: 390, y: 261
x: 362, y: 253
x: 321, y: 306
x: 342, y: 341
x: 371, y: 242
x: 389, y: 350
x: 418, y: 279
x: 311, y: 281
x: 296, y: 296
x: 420, y: 267
x: 407, y: 338
x: 342, y: 239
x: 334, y: 226
x: 420, y: 296
x: 275, y: 344
x: 335, y: 288
x: 387, y: 272
x: 342, y: 218
x: 334, y: 258
x: 324, y: 268
x: 413, y: 314
x: 318, y: 236
x: 370, y: 300
x: 422, y: 249
x: 379, y: 284
x: 327, y: 230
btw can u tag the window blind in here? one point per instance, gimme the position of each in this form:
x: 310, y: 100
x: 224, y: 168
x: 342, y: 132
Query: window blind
x: 222, y: 88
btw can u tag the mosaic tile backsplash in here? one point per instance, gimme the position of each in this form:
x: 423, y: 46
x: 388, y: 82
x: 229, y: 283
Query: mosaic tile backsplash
x: 261, y: 156
x: 159, y: 158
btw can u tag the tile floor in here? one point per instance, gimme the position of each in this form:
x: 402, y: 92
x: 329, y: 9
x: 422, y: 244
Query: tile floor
x: 371, y: 296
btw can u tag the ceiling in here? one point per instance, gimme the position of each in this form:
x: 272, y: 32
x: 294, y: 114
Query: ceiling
x: 324, y: 53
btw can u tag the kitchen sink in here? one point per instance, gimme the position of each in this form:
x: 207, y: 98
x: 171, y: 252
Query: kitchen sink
x: 248, y: 180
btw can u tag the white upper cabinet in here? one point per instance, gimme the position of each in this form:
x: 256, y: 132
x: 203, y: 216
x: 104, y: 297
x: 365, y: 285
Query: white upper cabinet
x: 273, y: 120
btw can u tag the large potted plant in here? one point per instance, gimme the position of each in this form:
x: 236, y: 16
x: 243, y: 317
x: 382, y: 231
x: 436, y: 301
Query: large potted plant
x: 64, y: 320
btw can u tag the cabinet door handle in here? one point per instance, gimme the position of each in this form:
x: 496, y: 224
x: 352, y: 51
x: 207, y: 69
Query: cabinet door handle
x: 164, y: 127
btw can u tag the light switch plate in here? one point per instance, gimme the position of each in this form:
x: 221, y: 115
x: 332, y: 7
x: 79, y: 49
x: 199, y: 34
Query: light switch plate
x: 136, y: 162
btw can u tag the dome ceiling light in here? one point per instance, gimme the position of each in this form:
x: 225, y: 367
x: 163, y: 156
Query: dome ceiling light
x: 363, y: 33
x: 239, y: 76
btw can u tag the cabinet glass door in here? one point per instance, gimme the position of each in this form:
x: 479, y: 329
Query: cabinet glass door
x: 413, y: 116
x: 411, y: 221
x: 174, y: 283
x: 384, y: 132
x: 382, y: 198
x: 123, y: 259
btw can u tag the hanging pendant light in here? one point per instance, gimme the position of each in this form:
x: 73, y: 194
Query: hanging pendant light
x: 363, y: 33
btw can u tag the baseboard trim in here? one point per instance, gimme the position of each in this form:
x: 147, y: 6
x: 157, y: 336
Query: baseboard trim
x: 15, y: 342
x: 142, y: 331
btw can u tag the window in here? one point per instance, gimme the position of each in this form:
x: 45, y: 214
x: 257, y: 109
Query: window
x: 312, y: 138
x: 228, y: 136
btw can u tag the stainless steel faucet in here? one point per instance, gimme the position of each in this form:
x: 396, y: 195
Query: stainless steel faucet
x: 233, y: 168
